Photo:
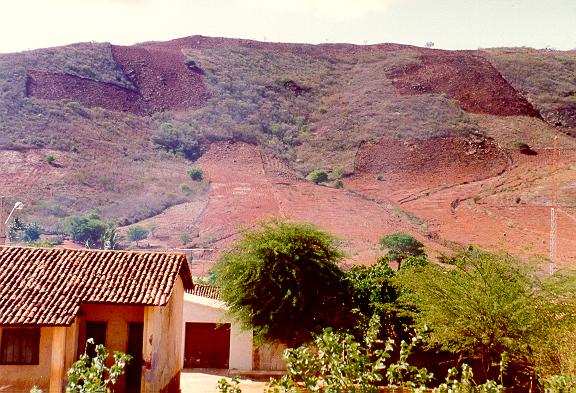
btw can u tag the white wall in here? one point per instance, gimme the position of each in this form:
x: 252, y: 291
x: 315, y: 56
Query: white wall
x: 201, y: 309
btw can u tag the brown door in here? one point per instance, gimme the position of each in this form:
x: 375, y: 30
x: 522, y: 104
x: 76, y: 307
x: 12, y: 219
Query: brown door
x: 134, y: 368
x: 207, y: 345
x: 97, y: 332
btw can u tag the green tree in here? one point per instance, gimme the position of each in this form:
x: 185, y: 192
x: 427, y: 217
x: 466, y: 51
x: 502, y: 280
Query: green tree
x: 283, y: 280
x: 401, y: 245
x: 196, y: 174
x: 32, y: 232
x: 136, y: 233
x: 482, y: 306
x: 85, y: 229
x: 374, y: 292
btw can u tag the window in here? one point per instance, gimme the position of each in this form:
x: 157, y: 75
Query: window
x: 19, y: 346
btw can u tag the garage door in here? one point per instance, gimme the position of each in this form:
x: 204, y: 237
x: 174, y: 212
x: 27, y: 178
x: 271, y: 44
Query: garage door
x: 207, y: 345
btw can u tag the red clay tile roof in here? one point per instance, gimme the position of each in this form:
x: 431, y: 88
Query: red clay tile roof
x: 43, y: 286
x: 208, y: 291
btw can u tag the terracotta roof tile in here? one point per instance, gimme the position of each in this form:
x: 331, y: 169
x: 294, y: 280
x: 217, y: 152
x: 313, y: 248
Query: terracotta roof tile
x: 208, y: 291
x: 43, y: 286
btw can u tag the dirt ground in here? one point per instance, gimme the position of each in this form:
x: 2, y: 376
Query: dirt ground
x: 206, y: 381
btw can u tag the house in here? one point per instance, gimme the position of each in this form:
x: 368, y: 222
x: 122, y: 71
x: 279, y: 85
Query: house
x: 213, y: 339
x: 52, y: 300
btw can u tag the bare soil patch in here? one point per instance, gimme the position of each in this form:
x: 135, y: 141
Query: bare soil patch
x: 465, y: 76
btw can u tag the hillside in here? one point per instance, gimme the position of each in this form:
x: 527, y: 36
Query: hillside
x: 425, y: 141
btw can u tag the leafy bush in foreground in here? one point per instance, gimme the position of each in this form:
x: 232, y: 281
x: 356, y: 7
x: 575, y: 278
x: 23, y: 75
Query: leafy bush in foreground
x: 282, y: 270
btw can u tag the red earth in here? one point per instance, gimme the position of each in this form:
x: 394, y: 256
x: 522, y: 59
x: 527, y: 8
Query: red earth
x: 449, y: 190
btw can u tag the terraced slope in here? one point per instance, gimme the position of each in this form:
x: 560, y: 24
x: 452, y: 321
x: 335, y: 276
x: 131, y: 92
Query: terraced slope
x: 424, y: 141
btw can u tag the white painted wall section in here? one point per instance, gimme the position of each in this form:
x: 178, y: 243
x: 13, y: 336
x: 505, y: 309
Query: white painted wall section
x: 201, y: 309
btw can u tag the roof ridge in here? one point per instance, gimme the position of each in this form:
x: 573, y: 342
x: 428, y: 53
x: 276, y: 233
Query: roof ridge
x: 94, y: 250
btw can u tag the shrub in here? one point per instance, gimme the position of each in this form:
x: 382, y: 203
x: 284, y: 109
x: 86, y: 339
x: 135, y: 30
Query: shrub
x: 482, y: 307
x: 282, y: 270
x: 318, y: 176
x: 184, y: 238
x: 136, y: 233
x: 32, y: 232
x: 180, y: 140
x: 185, y: 187
x: 50, y: 158
x: 89, y: 375
x: 196, y: 174
x: 520, y: 145
x: 322, y: 110
x: 85, y: 229
x: 338, y: 183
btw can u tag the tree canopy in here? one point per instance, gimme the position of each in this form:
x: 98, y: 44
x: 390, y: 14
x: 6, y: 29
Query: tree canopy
x: 136, y: 233
x: 283, y: 280
x: 86, y: 229
x: 400, y: 245
x: 483, y: 305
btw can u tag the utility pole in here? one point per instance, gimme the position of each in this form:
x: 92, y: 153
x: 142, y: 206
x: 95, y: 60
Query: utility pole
x: 554, y: 206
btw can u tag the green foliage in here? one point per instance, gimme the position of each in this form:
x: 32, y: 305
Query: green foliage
x: 259, y: 96
x: 466, y: 383
x: 520, y: 145
x: 196, y: 174
x: 136, y: 233
x: 36, y: 389
x: 85, y: 229
x: 178, y: 140
x: 401, y: 245
x: 184, y: 238
x: 374, y: 293
x: 20, y: 231
x: 322, y: 110
x: 32, y: 232
x: 91, y: 375
x: 483, y: 306
x: 402, y: 373
x: 50, y: 158
x: 336, y: 361
x: 318, y: 176
x: 185, y: 188
x: 282, y: 270
x: 560, y: 384
x: 338, y: 183
x: 110, y: 240
x: 229, y: 387
x: 379, y: 177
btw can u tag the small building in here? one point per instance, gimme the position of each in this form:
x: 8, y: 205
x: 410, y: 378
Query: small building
x: 213, y: 339
x: 52, y: 300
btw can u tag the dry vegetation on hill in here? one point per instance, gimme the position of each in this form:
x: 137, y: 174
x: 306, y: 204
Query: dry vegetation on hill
x: 418, y: 139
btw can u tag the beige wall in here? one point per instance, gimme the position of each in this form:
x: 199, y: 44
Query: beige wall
x: 20, y: 378
x: 269, y: 357
x: 163, y: 344
x: 117, y: 318
x: 201, y: 309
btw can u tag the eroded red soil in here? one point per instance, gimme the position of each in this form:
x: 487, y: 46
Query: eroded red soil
x: 465, y: 76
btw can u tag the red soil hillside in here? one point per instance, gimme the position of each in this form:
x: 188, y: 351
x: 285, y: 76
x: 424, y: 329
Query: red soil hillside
x: 424, y: 141
x: 466, y: 77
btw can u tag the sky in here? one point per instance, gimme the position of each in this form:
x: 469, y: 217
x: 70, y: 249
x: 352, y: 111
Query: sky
x: 449, y: 24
